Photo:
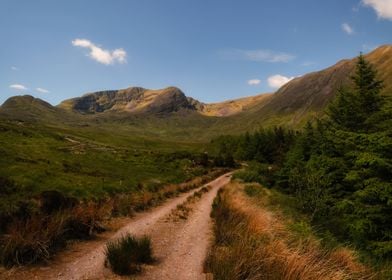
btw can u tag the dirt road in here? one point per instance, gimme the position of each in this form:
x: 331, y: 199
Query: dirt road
x: 180, y: 245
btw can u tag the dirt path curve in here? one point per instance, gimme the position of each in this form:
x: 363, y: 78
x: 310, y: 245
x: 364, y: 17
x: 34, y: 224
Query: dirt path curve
x: 179, y: 246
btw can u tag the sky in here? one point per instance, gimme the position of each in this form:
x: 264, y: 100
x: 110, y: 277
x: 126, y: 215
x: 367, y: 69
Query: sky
x: 212, y: 50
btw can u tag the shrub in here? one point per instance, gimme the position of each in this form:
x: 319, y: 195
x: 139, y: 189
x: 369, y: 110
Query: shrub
x: 248, y: 176
x: 252, y: 189
x: 127, y: 253
x: 54, y: 201
x: 32, y: 240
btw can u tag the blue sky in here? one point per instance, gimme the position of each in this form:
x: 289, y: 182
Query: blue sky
x: 212, y: 50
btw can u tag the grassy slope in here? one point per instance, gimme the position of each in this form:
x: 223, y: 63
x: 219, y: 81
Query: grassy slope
x: 85, y: 163
x: 47, y: 148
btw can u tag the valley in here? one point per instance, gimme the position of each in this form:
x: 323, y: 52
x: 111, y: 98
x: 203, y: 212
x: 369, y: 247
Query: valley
x: 135, y: 156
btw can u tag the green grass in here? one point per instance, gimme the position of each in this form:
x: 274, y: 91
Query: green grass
x: 38, y: 158
x: 126, y: 254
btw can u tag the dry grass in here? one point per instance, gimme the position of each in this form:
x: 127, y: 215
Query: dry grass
x: 37, y: 237
x: 183, y: 210
x: 255, y: 243
x: 127, y: 204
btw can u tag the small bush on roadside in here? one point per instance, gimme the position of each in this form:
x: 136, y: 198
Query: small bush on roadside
x: 248, y: 176
x: 252, y: 189
x: 126, y: 254
x: 32, y: 240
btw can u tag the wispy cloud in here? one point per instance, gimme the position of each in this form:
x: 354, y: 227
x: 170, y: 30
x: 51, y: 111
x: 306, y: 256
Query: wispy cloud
x: 383, y: 8
x: 42, y: 90
x: 18, y: 87
x: 14, y: 68
x: 101, y: 55
x: 347, y: 28
x: 276, y: 81
x: 259, y: 55
x: 254, y: 82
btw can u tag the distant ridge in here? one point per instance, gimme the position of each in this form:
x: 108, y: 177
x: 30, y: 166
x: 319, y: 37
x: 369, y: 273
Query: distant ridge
x: 138, y: 100
x: 299, y: 100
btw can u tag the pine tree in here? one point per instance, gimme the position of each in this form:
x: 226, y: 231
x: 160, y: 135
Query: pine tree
x: 353, y: 107
x: 367, y: 86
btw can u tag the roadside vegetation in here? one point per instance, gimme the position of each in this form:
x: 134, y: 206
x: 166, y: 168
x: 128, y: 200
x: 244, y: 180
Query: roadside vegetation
x: 338, y: 169
x: 37, y: 235
x: 126, y: 255
x: 254, y: 239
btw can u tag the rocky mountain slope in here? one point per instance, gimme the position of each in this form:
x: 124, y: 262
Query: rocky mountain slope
x: 140, y: 100
x: 132, y: 100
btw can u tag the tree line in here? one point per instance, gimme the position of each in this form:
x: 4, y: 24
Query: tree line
x: 339, y: 167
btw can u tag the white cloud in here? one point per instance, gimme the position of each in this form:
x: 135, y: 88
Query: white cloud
x: 276, y: 81
x: 257, y: 55
x: 254, y: 82
x: 18, y: 87
x: 14, y: 68
x: 120, y: 55
x: 101, y: 55
x: 383, y: 8
x: 42, y: 90
x: 347, y: 28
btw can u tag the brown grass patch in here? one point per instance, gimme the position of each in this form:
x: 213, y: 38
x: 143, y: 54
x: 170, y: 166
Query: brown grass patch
x: 183, y: 210
x: 253, y: 242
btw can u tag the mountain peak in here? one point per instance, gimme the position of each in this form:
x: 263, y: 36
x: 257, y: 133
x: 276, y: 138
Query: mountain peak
x: 132, y: 100
x: 25, y: 100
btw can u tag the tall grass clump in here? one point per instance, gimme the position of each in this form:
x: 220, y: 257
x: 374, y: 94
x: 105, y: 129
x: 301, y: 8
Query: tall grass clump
x: 126, y: 254
x: 36, y: 237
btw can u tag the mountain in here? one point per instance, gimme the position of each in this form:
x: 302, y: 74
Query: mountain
x: 232, y: 107
x: 308, y: 95
x: 297, y: 101
x: 137, y: 100
x: 29, y: 108
x: 169, y: 113
x: 132, y: 100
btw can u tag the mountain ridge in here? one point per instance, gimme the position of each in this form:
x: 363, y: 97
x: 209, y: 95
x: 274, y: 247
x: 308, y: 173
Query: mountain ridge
x: 141, y: 100
x: 292, y: 105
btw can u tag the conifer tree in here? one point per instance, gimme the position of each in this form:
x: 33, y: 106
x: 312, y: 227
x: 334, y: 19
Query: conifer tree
x: 353, y: 107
